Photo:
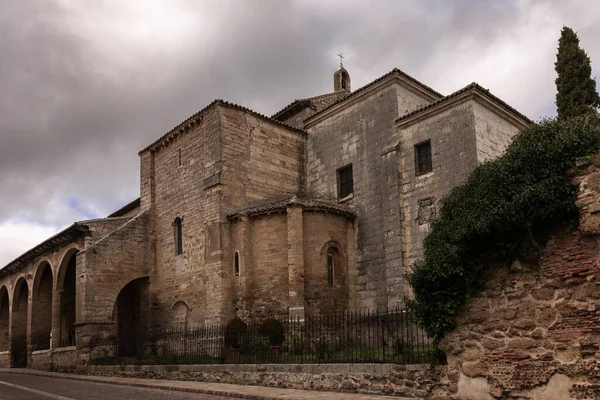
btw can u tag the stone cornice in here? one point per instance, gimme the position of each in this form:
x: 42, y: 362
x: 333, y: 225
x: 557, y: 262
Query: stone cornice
x: 471, y: 92
x: 197, y: 118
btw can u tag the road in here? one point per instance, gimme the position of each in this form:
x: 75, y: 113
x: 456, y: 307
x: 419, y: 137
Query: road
x: 31, y: 387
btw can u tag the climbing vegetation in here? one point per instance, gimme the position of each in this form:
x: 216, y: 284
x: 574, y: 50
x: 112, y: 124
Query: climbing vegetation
x: 503, y: 205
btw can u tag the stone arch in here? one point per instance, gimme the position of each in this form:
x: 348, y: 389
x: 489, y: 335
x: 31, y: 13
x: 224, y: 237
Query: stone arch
x: 131, y: 316
x: 4, y: 319
x: 66, y: 289
x: 20, y: 313
x: 334, y: 261
x: 180, y: 312
x: 335, y: 244
x: 41, y: 307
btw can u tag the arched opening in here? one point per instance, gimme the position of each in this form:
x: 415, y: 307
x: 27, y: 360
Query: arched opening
x: 4, y: 314
x: 345, y: 79
x: 131, y: 317
x: 67, y: 293
x: 180, y: 315
x: 331, y: 252
x: 178, y: 236
x: 41, y: 317
x: 236, y: 263
x: 20, y: 310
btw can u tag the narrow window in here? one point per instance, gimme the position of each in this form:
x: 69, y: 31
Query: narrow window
x: 345, y: 182
x: 178, y: 236
x: 330, y: 267
x: 179, y: 155
x: 236, y: 263
x: 423, y: 157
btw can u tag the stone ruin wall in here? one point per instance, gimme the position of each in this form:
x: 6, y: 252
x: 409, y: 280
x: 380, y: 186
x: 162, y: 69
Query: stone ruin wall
x: 534, y: 333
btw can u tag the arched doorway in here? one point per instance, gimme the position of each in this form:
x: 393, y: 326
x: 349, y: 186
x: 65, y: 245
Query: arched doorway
x: 4, y: 315
x: 20, y: 310
x: 131, y: 317
x: 67, y: 291
x: 41, y: 308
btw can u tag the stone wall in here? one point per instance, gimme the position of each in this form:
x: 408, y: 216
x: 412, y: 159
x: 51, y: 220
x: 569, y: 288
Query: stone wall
x: 225, y: 158
x: 103, y: 270
x: 323, y: 232
x: 64, y: 359
x: 493, y: 133
x: 269, y: 267
x: 535, y: 331
x: 261, y: 159
x: 176, y: 180
x: 4, y: 359
x: 41, y: 359
x: 415, y: 381
x: 356, y: 134
x: 453, y: 154
x: 283, y: 262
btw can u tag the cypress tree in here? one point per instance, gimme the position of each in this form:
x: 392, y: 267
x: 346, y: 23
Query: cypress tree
x: 576, y: 89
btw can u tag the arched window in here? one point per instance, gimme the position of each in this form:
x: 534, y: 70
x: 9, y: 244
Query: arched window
x: 236, y: 263
x: 178, y: 236
x: 330, y: 266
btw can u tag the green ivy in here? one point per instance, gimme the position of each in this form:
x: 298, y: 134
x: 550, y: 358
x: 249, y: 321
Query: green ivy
x: 487, y: 220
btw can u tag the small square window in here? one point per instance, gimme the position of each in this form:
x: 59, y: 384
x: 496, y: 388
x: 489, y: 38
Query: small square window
x: 423, y: 157
x: 345, y: 182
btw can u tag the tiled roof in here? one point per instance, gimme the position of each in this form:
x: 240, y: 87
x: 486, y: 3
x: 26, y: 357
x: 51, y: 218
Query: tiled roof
x: 471, y: 86
x: 126, y: 208
x: 298, y: 103
x: 280, y: 203
x: 318, y: 103
x: 65, y: 236
x: 186, y: 124
x: 381, y: 78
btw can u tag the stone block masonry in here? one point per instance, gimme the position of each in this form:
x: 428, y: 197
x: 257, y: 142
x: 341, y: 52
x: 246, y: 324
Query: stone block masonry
x: 357, y: 135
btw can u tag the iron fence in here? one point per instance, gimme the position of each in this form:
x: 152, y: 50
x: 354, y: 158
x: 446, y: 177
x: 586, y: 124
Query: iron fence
x: 352, y: 337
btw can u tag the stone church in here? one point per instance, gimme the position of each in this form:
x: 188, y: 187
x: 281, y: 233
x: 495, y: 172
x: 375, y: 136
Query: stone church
x: 322, y: 206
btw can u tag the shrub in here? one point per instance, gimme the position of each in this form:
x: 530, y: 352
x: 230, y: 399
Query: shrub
x: 234, y: 331
x: 256, y: 344
x: 273, y: 329
x: 503, y: 204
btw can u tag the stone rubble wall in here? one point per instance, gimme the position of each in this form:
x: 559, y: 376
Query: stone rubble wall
x: 414, y: 381
x: 4, y: 359
x: 534, y: 333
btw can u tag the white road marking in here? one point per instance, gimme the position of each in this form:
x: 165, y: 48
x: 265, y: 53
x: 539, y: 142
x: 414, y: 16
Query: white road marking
x: 38, y: 392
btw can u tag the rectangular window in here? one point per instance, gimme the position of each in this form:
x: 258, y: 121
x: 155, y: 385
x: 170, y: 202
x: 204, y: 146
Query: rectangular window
x: 345, y: 182
x: 423, y: 157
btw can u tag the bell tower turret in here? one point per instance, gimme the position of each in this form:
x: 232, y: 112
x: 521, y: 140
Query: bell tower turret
x: 341, y: 78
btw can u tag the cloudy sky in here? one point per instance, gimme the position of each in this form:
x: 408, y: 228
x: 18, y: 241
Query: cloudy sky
x: 84, y: 85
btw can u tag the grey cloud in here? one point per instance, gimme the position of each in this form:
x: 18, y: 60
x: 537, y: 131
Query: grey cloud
x: 76, y: 104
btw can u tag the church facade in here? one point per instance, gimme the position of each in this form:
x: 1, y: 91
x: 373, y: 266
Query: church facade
x: 322, y: 206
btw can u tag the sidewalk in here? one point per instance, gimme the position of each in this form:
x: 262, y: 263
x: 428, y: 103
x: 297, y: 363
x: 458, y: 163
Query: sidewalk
x: 218, y: 389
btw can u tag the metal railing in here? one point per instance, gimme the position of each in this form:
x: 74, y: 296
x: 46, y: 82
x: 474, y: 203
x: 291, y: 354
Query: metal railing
x: 351, y: 337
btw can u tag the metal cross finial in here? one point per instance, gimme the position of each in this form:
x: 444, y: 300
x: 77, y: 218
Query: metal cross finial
x: 341, y: 60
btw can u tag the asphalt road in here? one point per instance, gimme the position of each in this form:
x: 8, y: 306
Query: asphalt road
x: 31, y: 387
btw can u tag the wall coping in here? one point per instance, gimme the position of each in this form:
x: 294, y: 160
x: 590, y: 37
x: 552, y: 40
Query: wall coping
x: 4, y: 352
x: 37, y: 352
x: 64, y: 349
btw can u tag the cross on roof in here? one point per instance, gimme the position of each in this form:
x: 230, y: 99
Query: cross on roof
x: 341, y: 60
